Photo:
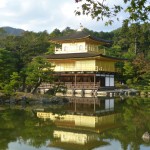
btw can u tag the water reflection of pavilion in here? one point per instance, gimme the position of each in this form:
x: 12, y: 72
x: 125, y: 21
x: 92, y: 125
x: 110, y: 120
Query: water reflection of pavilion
x: 72, y: 140
x: 81, y: 126
x: 90, y: 105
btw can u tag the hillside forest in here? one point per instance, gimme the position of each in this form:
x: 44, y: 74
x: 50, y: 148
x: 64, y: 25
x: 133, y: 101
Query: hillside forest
x: 23, y: 67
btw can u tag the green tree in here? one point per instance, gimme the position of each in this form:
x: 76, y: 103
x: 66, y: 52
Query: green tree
x: 14, y: 84
x: 38, y: 71
x: 129, y: 72
x: 7, y: 66
x: 114, y: 51
x: 2, y: 32
x: 134, y: 34
x: 137, y: 71
x: 123, y: 38
x: 144, y: 40
x: 133, y: 39
x: 138, y: 10
x: 142, y: 69
x: 27, y: 46
x: 51, y: 49
x: 31, y: 45
x: 24, y: 48
x: 67, y: 31
x: 55, y: 33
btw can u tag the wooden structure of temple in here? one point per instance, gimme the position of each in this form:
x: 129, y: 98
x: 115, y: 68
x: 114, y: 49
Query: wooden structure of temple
x: 80, y: 64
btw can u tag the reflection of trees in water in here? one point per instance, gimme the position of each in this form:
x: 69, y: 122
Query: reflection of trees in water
x: 135, y: 121
x: 20, y: 125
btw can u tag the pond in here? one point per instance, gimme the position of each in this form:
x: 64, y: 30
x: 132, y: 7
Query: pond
x: 86, y: 123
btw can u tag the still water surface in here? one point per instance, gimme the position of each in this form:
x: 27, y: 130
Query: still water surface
x: 86, y: 123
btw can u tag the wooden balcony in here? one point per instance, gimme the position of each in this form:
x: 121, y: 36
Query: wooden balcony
x: 83, y: 85
x: 65, y: 69
x: 70, y: 85
x: 90, y: 68
x: 75, y: 50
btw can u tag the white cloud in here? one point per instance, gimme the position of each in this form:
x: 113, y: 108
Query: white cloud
x: 40, y: 15
x: 3, y: 3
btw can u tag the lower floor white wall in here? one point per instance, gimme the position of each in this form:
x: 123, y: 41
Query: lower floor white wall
x: 109, y: 80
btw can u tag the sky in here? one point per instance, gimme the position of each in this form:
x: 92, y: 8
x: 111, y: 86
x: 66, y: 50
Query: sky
x: 40, y: 15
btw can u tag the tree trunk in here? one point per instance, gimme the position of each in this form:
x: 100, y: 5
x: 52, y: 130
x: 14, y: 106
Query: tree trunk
x: 36, y: 86
x: 23, y: 84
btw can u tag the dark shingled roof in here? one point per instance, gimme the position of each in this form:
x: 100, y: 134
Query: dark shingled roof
x: 78, y: 55
x: 78, y: 35
x: 71, y: 55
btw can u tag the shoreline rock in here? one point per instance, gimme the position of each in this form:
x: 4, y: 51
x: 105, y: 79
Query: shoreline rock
x: 146, y: 136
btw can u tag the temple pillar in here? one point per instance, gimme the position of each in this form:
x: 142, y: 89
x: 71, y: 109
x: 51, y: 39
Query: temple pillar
x: 94, y: 80
x: 75, y: 81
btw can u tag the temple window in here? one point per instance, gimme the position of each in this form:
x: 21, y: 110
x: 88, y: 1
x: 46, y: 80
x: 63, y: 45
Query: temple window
x: 65, y: 48
x: 86, y: 47
x: 80, y: 47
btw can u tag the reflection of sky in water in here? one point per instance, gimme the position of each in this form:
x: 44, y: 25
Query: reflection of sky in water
x: 144, y: 148
x: 85, y: 118
x: 114, y: 145
x: 21, y: 146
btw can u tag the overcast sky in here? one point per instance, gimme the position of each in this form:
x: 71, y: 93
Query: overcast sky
x: 40, y: 15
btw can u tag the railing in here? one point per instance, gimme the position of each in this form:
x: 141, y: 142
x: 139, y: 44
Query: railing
x: 83, y: 85
x: 61, y: 69
x: 60, y: 50
x: 70, y: 85
x: 96, y: 68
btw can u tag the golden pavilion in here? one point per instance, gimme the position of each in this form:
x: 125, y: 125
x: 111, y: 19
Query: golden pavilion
x: 80, y: 64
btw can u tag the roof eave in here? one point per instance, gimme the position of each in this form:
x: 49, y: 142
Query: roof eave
x: 60, y: 41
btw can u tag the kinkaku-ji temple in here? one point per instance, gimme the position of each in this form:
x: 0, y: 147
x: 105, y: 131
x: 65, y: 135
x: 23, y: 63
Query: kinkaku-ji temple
x: 80, y: 64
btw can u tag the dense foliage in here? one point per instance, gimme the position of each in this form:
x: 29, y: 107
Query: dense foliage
x: 16, y: 55
x: 38, y: 71
x: 22, y: 70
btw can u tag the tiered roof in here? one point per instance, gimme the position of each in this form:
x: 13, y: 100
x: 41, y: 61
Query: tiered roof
x: 79, y: 36
x: 80, y: 55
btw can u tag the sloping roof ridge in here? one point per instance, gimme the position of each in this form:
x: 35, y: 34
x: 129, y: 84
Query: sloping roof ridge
x: 83, y: 32
x: 111, y: 57
x: 77, y: 35
x: 100, y: 39
x: 72, y: 55
x: 73, y: 35
x: 95, y: 38
x: 80, y: 55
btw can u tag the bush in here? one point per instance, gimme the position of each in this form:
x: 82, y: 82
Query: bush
x: 8, y: 90
x: 129, y: 81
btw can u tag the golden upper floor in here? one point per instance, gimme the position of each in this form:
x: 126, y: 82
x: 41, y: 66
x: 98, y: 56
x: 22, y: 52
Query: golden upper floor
x: 82, y: 62
x: 80, y: 52
x: 78, y: 47
x: 78, y: 42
